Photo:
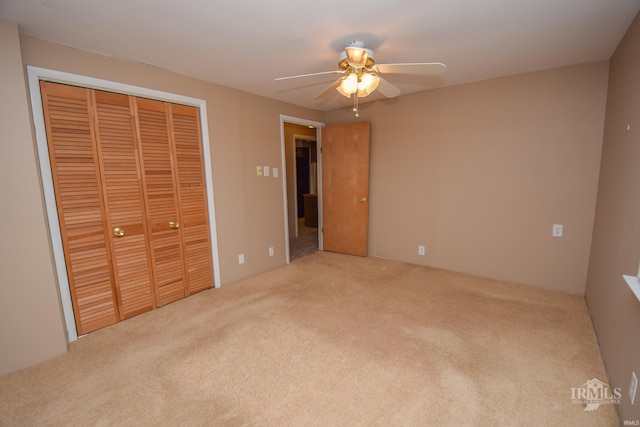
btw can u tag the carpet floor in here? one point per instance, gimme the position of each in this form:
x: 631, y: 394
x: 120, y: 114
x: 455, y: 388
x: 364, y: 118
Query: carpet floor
x: 329, y: 340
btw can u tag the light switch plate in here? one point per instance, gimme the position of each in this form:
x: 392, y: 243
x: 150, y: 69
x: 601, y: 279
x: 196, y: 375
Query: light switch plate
x: 265, y: 169
x: 259, y: 170
x: 274, y: 172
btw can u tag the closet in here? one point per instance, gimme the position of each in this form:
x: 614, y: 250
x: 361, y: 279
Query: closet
x: 130, y: 194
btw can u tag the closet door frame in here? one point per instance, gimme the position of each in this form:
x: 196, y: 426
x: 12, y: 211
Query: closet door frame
x: 35, y: 75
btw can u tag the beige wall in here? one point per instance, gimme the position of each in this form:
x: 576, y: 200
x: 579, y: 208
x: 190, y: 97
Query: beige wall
x: 290, y: 131
x: 616, y: 236
x: 244, y: 132
x: 31, y: 327
x: 479, y: 173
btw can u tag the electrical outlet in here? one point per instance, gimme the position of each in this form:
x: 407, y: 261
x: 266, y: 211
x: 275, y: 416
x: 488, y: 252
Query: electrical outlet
x: 633, y: 388
x: 265, y: 170
x: 421, y: 250
x: 241, y: 259
x: 259, y: 170
x: 557, y: 230
x: 271, y: 251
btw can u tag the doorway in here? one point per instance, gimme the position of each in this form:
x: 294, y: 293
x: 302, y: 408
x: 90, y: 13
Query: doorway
x: 301, y: 161
x: 305, y: 241
x: 347, y: 206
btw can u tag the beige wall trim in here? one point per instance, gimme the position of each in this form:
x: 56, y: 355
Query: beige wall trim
x: 35, y: 74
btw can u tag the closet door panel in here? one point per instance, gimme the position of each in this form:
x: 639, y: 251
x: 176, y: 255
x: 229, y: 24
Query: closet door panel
x: 76, y: 179
x: 192, y: 197
x: 161, y: 197
x: 124, y: 201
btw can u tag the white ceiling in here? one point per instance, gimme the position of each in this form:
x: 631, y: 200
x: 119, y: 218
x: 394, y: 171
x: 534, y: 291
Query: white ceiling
x: 245, y: 44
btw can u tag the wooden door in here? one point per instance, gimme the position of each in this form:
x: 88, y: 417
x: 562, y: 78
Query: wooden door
x: 124, y: 202
x: 78, y: 188
x: 159, y: 180
x: 345, y: 188
x: 192, y: 195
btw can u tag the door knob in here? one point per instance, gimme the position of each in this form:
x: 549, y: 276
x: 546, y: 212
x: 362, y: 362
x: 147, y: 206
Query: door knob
x: 118, y: 232
x: 174, y: 224
x: 364, y: 199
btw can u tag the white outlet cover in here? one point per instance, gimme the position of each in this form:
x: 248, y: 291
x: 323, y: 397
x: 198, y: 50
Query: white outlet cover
x: 421, y: 250
x: 557, y: 230
x: 274, y: 172
x: 633, y: 388
x: 241, y: 259
x: 265, y: 169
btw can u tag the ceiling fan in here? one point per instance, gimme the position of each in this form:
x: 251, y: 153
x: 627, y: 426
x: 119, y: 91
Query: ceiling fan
x: 362, y: 75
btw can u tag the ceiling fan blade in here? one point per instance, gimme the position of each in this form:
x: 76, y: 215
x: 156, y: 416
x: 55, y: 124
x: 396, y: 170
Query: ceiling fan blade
x: 329, y: 88
x: 387, y: 89
x: 310, y: 75
x: 412, y: 68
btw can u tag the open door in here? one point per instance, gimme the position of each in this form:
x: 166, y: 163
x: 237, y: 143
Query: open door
x: 345, y: 188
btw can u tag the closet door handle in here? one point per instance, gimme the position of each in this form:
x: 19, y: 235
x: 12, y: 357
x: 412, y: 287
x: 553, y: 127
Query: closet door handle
x: 174, y: 224
x: 118, y: 232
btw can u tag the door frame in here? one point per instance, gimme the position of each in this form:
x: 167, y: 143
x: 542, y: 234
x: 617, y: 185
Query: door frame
x: 34, y: 75
x: 317, y: 125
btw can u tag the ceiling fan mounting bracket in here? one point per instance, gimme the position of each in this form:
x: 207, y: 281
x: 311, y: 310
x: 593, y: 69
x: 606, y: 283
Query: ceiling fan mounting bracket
x: 355, y: 43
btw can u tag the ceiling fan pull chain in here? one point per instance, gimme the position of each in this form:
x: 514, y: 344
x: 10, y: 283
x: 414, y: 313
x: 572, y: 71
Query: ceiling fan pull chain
x: 355, y: 104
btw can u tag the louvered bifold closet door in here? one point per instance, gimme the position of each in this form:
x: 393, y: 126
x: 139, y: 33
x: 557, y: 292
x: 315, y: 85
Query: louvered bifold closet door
x: 124, y: 201
x: 192, y: 197
x: 77, y: 184
x: 162, y: 202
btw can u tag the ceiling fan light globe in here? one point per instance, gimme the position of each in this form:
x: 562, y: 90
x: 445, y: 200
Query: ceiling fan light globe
x: 349, y: 85
x: 368, y: 83
x: 342, y: 92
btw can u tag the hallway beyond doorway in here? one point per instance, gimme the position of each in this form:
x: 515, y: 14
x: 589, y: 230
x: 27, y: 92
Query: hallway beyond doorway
x: 306, y: 243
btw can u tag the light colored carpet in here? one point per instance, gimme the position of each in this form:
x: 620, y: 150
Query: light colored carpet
x: 329, y: 340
